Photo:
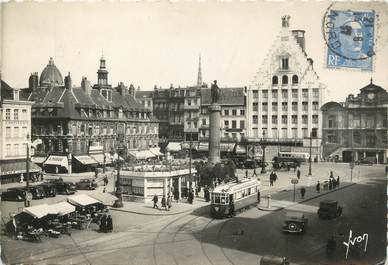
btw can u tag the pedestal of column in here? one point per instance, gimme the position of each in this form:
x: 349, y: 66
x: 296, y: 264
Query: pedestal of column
x: 215, y: 138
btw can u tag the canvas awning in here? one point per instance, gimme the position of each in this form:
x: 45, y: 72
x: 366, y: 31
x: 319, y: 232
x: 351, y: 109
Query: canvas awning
x: 105, y: 198
x: 108, y: 158
x: 174, y: 147
x: 143, y: 154
x: 81, y: 200
x: 38, y: 211
x: 156, y: 151
x: 57, y: 161
x: 61, y: 208
x: 38, y: 159
x: 19, y: 167
x: 98, y: 157
x: 86, y: 160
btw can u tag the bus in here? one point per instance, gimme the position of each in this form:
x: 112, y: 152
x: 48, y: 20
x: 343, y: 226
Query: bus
x: 292, y: 157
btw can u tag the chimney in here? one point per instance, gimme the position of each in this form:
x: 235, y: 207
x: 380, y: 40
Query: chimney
x: 122, y: 89
x: 132, y: 90
x: 33, y: 81
x: 299, y: 36
x: 86, y: 86
x: 16, y: 94
x: 68, y: 81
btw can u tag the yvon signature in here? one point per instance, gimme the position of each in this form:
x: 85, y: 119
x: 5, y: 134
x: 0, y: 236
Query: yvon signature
x: 362, y: 239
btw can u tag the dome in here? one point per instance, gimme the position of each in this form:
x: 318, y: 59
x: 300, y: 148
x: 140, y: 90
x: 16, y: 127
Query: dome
x: 50, y: 74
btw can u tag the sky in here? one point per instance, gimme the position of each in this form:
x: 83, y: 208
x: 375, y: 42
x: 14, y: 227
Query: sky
x: 158, y: 43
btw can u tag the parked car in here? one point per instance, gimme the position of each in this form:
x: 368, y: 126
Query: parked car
x: 86, y: 184
x: 48, y: 189
x: 295, y: 222
x: 249, y: 163
x: 13, y: 194
x: 36, y: 191
x: 63, y: 187
x: 366, y: 161
x: 329, y: 209
x: 274, y: 260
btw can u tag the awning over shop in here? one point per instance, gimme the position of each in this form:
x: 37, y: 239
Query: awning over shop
x: 174, y: 147
x: 204, y: 147
x: 240, y: 149
x: 61, y: 208
x: 86, y: 160
x: 19, y: 167
x: 108, y: 158
x: 38, y: 159
x: 57, y: 161
x: 38, y: 211
x: 226, y: 147
x: 105, y: 198
x: 156, y: 151
x: 99, y: 158
x: 143, y: 154
x: 81, y: 200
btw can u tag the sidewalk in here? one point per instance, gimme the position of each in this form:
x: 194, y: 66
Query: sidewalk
x: 177, y: 207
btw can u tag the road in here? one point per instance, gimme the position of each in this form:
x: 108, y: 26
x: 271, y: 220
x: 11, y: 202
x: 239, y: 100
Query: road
x: 196, y: 238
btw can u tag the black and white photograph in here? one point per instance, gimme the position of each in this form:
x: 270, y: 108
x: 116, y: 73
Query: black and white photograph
x: 193, y: 132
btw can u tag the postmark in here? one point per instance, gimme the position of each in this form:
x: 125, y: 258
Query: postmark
x: 350, y: 38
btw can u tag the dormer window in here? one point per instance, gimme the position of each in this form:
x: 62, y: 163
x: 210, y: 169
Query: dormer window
x: 275, y: 80
x: 284, y: 80
x: 284, y: 63
x: 295, y: 79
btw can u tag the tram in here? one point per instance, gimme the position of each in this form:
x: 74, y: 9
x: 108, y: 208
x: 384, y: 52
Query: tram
x: 293, y: 157
x: 242, y: 194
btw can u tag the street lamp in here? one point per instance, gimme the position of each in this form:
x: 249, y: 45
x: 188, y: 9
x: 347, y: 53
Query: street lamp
x: 263, y: 144
x: 118, y: 203
x: 311, y: 143
x: 194, y: 120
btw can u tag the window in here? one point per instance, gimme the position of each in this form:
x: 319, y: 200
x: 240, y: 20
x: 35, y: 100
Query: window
x: 254, y: 119
x: 331, y: 138
x: 284, y: 119
x: 294, y: 133
x: 305, y: 93
x: 315, y: 92
x: 242, y: 112
x: 255, y: 94
x: 255, y: 106
x: 242, y: 124
x: 304, y: 106
x: 264, y: 119
x: 274, y: 106
x: 305, y: 132
x: 234, y: 124
x: 295, y: 93
x: 304, y: 119
x: 7, y: 114
x: 265, y: 93
x: 284, y: 94
x: 16, y: 149
x: 275, y: 80
x: 8, y: 150
x: 274, y: 94
x: 265, y: 106
x: 8, y: 132
x: 315, y: 105
x: 226, y: 124
x: 16, y: 132
x: 16, y: 114
x: 189, y: 102
x: 295, y: 79
x: 284, y: 106
x: 315, y: 119
x: 203, y: 121
x: 285, y: 63
x: 284, y: 80
x: 274, y: 119
x: 24, y: 114
x: 294, y: 119
x: 234, y: 112
x: 284, y: 133
x: 294, y: 106
x: 275, y: 133
x: 226, y: 112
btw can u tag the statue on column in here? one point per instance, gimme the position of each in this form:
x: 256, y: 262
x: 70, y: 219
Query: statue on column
x: 285, y: 21
x: 215, y: 92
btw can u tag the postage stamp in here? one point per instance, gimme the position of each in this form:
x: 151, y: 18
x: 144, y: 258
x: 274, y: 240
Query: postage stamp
x: 349, y: 36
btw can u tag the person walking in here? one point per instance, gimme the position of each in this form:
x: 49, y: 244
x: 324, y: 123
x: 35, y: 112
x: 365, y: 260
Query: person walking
x: 318, y: 187
x: 338, y: 181
x: 164, y: 203
x: 275, y: 177
x: 302, y: 192
x: 104, y: 190
x: 169, y: 200
x: 254, y: 172
x: 271, y: 179
x: 155, y: 200
x: 258, y: 197
x: 190, y: 197
x: 298, y: 173
x: 330, y: 184
x: 246, y: 173
x: 231, y: 207
x: 109, y: 224
x: 103, y: 224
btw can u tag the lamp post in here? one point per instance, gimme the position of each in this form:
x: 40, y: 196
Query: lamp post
x: 311, y: 143
x: 194, y: 120
x: 27, y: 200
x: 118, y: 203
x: 263, y: 145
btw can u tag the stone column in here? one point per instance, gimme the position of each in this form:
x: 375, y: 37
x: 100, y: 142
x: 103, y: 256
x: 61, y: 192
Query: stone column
x: 165, y: 187
x: 180, y: 187
x: 214, y: 139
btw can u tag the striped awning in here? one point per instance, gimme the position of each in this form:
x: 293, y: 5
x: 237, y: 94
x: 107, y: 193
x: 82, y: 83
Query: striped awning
x: 9, y: 168
x: 86, y: 160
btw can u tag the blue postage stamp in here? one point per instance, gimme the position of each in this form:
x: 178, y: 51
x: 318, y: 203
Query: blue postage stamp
x: 349, y: 36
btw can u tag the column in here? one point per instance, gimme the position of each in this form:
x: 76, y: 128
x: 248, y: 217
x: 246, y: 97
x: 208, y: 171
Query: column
x: 145, y: 189
x: 165, y: 187
x: 377, y: 157
x: 180, y: 187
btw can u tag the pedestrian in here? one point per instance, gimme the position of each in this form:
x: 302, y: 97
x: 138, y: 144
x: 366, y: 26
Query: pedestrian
x: 331, y: 174
x: 155, y: 200
x: 190, y: 197
x: 104, y: 190
x: 302, y: 192
x: 169, y: 202
x: 21, y: 178
x: 164, y: 203
x: 105, y: 180
x: 103, y: 224
x: 207, y: 194
x: 298, y: 173
x: 338, y: 181
x: 275, y: 177
x: 231, y: 207
x: 109, y: 224
x: 318, y: 187
x: 271, y: 179
x: 41, y: 176
x: 246, y: 173
x: 330, y: 184
x: 254, y: 172
x: 258, y: 197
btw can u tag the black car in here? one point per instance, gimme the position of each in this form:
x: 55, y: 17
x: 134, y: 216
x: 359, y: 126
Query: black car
x: 249, y: 163
x: 36, y: 191
x: 13, y: 194
x: 366, y: 161
x: 49, y: 189
x: 63, y: 187
x: 86, y: 184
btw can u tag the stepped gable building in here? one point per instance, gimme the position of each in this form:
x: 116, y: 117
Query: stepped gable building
x: 284, y: 98
x: 81, y: 126
x: 357, y: 126
x: 15, y: 128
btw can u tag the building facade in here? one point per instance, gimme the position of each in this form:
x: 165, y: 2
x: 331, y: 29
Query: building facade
x: 82, y: 127
x: 15, y: 129
x: 357, y: 128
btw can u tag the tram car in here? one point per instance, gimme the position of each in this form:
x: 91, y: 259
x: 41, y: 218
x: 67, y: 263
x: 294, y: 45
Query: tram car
x: 242, y: 194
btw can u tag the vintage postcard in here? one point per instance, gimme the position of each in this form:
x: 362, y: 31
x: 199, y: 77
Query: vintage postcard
x: 185, y: 133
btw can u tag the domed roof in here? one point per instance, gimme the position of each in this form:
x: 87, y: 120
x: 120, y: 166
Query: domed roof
x: 51, y: 74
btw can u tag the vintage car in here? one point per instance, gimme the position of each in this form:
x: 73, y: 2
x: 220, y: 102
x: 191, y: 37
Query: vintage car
x: 86, y: 184
x: 366, y: 161
x: 249, y: 163
x: 273, y: 260
x: 36, y: 191
x: 13, y: 194
x: 329, y: 209
x: 48, y: 189
x: 63, y: 187
x: 295, y: 222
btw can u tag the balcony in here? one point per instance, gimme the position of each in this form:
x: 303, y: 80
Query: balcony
x: 191, y: 107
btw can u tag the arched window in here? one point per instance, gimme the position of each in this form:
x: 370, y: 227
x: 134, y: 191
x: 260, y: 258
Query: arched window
x: 284, y: 80
x: 275, y: 80
x: 295, y: 79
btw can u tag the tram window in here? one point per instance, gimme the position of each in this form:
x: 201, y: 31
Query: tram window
x: 238, y: 195
x: 227, y: 199
x: 216, y: 198
x: 222, y: 198
x: 249, y: 191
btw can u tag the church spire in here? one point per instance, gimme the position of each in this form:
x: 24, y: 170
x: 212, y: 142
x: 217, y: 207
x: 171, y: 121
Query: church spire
x: 199, y: 78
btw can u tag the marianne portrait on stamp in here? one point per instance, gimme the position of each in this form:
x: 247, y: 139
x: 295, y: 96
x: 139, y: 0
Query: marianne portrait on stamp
x: 351, y: 37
